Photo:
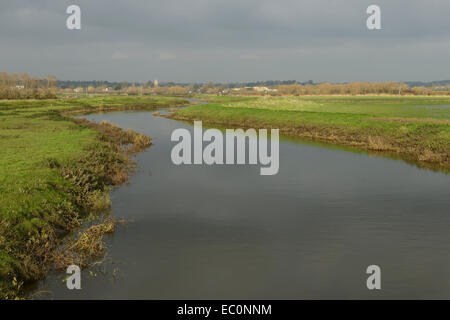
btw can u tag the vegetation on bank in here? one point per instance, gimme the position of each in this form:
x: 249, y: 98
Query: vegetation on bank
x: 417, y: 128
x: 54, y: 172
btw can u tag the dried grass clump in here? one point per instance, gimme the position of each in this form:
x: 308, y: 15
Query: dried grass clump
x: 429, y: 156
x: 137, y: 142
x: 86, y: 246
x: 377, y: 143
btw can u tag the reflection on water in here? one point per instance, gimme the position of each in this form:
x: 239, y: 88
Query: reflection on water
x: 310, y: 231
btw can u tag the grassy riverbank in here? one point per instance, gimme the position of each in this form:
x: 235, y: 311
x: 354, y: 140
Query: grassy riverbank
x: 417, y: 128
x: 54, y: 172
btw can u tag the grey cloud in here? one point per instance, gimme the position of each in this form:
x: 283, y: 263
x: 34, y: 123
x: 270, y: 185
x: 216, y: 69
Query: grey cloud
x: 201, y: 40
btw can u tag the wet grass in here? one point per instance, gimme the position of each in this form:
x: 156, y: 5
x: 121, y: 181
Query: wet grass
x: 54, y: 172
x: 406, y: 126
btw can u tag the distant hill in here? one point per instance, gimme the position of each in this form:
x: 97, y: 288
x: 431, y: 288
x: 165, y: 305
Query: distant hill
x: 269, y: 83
x: 74, y: 84
x: 428, y: 84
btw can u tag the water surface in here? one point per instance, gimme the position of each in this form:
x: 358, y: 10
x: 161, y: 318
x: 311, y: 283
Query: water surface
x: 209, y: 232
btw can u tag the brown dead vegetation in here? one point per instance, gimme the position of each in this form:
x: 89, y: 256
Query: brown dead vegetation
x: 86, y: 246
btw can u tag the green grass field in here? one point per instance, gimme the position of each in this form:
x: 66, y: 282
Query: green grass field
x: 417, y: 128
x: 390, y: 106
x: 33, y: 130
x: 33, y: 195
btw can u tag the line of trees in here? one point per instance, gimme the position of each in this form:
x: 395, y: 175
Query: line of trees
x: 355, y: 88
x: 24, y: 86
x: 309, y: 88
x: 295, y: 89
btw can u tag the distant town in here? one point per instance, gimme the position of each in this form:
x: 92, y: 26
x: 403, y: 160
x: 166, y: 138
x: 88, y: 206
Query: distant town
x: 24, y: 86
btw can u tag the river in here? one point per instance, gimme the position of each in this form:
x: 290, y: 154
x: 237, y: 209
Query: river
x: 309, y: 232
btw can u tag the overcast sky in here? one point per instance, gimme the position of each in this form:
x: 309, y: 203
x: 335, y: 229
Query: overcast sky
x: 227, y: 40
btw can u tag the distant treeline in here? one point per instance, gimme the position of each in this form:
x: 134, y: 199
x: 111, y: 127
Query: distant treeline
x: 292, y: 86
x: 262, y: 88
x: 357, y: 88
x: 270, y: 83
x: 24, y: 86
x: 65, y: 84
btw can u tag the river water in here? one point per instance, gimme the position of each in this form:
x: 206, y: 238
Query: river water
x: 226, y: 232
